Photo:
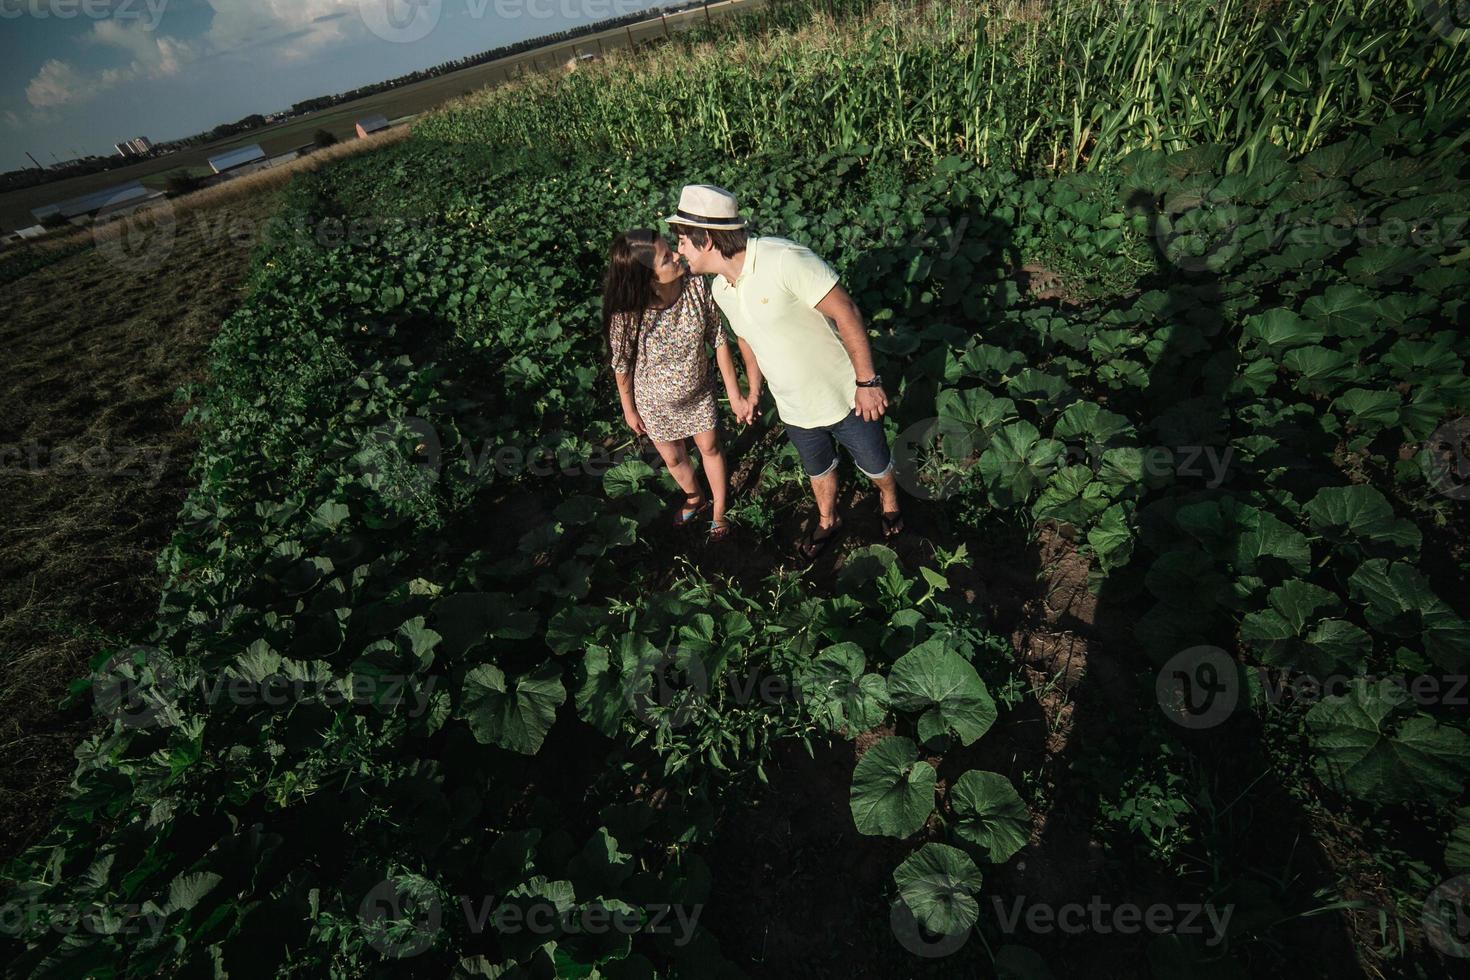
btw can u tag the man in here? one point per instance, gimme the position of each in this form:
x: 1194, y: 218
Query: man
x: 798, y: 329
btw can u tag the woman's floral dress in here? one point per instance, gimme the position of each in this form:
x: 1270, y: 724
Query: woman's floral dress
x: 673, y: 386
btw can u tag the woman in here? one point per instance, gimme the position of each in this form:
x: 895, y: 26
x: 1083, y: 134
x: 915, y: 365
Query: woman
x: 657, y: 320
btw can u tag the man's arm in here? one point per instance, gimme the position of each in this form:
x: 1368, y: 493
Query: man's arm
x: 838, y: 306
x: 753, y: 379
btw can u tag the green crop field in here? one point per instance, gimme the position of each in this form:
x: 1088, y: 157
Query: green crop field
x: 1165, y: 678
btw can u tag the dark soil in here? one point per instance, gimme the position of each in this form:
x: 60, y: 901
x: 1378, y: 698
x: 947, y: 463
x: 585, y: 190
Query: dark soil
x: 93, y: 468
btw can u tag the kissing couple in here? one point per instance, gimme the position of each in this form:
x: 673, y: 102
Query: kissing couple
x: 797, y: 329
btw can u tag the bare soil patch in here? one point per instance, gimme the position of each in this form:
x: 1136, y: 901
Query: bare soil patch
x: 94, y: 465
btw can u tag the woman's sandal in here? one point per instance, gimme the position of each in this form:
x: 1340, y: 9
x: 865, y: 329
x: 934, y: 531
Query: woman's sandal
x: 811, y: 546
x: 686, y: 516
x: 892, y: 523
x: 719, y: 531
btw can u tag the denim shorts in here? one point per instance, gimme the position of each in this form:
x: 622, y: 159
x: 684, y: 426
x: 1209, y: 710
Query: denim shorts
x: 863, y: 440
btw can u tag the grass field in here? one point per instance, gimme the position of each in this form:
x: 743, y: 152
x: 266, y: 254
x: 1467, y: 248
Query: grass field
x: 340, y: 120
x: 96, y: 466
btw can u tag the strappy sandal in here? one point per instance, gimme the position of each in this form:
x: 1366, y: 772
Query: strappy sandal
x: 811, y: 546
x: 686, y: 515
x: 719, y: 531
x: 892, y: 523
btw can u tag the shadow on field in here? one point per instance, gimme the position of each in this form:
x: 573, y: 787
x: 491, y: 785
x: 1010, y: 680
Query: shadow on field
x: 801, y: 893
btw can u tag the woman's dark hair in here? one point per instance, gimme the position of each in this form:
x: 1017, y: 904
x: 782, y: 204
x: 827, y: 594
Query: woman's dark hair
x: 628, y: 286
x: 728, y: 241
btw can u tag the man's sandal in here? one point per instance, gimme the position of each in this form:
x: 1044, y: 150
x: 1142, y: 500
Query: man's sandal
x: 811, y: 546
x: 892, y: 523
x: 720, y: 530
x: 690, y: 511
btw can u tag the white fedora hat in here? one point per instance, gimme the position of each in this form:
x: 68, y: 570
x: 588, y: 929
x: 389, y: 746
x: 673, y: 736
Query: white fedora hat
x: 707, y: 206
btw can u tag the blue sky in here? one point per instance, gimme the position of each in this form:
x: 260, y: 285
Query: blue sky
x: 81, y: 75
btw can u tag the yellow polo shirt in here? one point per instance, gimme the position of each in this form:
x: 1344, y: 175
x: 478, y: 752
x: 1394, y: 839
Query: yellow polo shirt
x: 771, y: 307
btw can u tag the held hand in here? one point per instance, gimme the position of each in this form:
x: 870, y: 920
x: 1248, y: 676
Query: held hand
x: 737, y: 406
x: 870, y: 403
x: 751, y: 408
x: 635, y: 422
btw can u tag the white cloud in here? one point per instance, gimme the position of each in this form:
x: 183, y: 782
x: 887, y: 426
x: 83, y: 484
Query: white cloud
x: 245, y: 23
x: 283, y: 31
x: 57, y: 84
x: 11, y: 119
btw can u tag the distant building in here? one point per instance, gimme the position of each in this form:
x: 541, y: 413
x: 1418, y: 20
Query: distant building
x: 241, y: 160
x: 139, y: 147
x: 371, y: 124
x: 77, y: 210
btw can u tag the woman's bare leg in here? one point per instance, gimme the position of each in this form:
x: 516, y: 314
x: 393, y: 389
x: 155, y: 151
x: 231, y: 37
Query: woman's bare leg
x: 713, y: 457
x: 677, y: 460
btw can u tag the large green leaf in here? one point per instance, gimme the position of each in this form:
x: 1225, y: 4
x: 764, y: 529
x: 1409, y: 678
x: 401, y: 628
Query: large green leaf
x: 1297, y: 631
x: 839, y: 691
x: 892, y: 790
x: 1457, y: 849
x: 1369, y: 746
x: 1017, y: 462
x: 1281, y: 329
x: 938, y: 883
x: 515, y: 716
x: 1397, y: 599
x: 1362, y: 520
x: 990, y: 814
x: 1071, y: 496
x: 935, y: 680
x: 467, y: 619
